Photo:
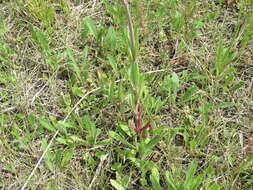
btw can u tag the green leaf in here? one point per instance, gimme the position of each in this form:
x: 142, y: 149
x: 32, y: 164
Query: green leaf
x: 111, y: 40
x: 47, y: 124
x: 100, y: 34
x: 67, y: 99
x: 112, y: 62
x: 119, y: 138
x: 188, y: 95
x: 155, y: 179
x: 194, y: 183
x: 214, y: 187
x: 144, y: 152
x: 77, y: 91
x: 67, y: 155
x: 62, y: 141
x: 146, y: 149
x: 124, y: 129
x: 170, y: 181
x: 73, y: 62
x: 93, y: 132
x: 244, y: 165
x: 48, y: 155
x: 85, y: 55
x: 116, y: 185
x: 171, y: 85
x: 191, y: 172
x: 125, y: 180
x: 49, y: 164
x: 76, y: 138
x: 225, y: 105
x: 223, y: 60
x: 134, y: 74
x: 41, y: 38
x: 153, y: 142
x: 136, y: 42
x: 237, y: 86
x: 103, y: 142
x: 155, y: 173
x: 116, y: 166
x: 91, y: 27
x: 175, y: 80
x: 220, y: 57
x: 62, y: 127
x: 228, y: 79
x: 44, y: 144
x: 58, y: 157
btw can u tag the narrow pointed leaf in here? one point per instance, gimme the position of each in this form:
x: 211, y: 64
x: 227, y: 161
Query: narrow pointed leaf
x: 116, y: 185
x: 118, y: 137
x: 134, y: 74
x: 155, y: 179
x: 191, y: 172
x: 170, y: 181
x: 91, y: 26
x: 153, y: 142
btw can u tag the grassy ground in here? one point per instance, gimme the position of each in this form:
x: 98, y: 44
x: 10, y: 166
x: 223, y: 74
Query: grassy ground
x: 193, y: 78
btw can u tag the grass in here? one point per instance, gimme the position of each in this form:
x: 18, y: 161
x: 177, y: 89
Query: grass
x: 78, y: 86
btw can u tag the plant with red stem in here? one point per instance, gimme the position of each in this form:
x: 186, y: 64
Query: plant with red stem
x: 138, y: 121
x: 135, y: 77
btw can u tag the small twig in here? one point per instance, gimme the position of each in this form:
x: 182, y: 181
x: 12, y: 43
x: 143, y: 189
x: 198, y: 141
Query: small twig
x: 11, y: 186
x: 98, y: 170
x: 94, y: 148
x: 5, y: 89
x: 8, y: 109
x: 38, y: 93
x: 38, y: 163
x: 94, y: 4
x: 241, y: 141
x: 156, y: 71
x: 44, y: 86
x: 251, y: 89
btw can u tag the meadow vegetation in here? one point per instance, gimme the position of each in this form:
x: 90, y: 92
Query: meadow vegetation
x: 98, y: 94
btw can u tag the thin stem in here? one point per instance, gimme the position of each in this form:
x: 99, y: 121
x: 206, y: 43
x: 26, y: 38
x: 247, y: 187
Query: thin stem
x: 131, y: 29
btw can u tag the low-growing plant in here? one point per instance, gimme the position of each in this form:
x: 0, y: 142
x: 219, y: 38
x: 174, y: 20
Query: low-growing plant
x: 190, y: 182
x: 42, y: 12
x: 135, y: 77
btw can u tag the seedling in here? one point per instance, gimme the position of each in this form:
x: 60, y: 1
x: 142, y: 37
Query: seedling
x: 135, y: 77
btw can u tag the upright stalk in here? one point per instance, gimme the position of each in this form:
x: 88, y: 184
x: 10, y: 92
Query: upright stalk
x: 131, y: 29
x: 135, y: 78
